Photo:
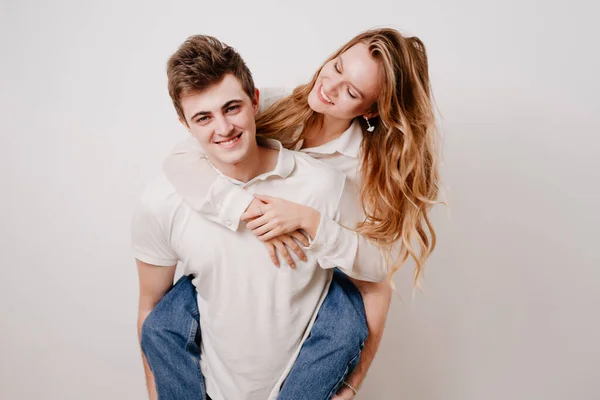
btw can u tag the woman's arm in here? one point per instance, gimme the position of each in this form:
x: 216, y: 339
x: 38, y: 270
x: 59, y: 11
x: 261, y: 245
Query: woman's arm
x: 332, y: 240
x: 202, y: 187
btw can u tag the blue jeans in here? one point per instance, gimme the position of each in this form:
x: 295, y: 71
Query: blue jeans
x: 170, y: 340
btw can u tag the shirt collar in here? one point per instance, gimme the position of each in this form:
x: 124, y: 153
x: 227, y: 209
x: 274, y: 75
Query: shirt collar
x: 348, y: 144
x: 285, y: 159
x: 283, y: 169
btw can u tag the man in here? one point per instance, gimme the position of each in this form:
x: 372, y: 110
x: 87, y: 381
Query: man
x: 253, y: 316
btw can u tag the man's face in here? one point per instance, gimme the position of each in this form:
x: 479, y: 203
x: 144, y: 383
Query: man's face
x: 221, y: 118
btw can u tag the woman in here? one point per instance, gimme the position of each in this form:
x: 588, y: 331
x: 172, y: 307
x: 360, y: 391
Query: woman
x: 368, y: 112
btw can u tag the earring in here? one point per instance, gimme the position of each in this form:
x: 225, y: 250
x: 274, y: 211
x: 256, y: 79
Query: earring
x: 370, y: 128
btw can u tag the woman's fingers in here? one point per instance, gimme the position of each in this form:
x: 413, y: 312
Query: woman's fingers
x: 264, y: 198
x: 258, y: 222
x: 272, y: 253
x: 279, y: 244
x: 265, y: 229
x: 249, y: 215
x: 256, y: 209
x: 301, y: 237
x: 292, y: 245
x: 269, y: 231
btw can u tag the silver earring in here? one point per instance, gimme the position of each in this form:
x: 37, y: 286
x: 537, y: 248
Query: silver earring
x: 370, y: 128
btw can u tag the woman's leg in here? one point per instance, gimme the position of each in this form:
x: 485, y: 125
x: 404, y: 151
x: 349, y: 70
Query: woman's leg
x: 170, y: 340
x: 333, y: 348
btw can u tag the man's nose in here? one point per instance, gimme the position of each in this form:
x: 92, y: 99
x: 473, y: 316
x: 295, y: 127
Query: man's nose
x: 224, y: 126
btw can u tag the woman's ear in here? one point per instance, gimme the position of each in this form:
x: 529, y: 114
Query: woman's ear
x: 370, y: 114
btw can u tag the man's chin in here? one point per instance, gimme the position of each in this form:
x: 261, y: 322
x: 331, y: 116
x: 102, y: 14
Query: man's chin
x: 231, y: 159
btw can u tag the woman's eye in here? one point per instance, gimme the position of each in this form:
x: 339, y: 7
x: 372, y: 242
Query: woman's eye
x: 350, y: 93
x: 337, y: 68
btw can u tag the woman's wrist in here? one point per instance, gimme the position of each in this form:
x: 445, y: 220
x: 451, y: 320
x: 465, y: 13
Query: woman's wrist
x: 310, y: 221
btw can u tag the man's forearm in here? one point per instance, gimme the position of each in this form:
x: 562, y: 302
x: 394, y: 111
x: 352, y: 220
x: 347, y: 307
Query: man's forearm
x: 149, y: 376
x: 377, y: 298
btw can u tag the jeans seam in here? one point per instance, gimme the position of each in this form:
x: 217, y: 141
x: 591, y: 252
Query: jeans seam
x: 337, y: 386
x: 192, y: 340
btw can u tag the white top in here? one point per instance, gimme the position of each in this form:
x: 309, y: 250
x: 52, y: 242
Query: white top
x: 337, y: 244
x: 254, y: 316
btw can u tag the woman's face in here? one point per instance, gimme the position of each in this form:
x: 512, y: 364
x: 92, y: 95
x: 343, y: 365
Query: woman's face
x: 348, y: 85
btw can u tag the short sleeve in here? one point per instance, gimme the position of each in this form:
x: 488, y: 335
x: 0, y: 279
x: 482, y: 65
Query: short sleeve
x: 150, y: 237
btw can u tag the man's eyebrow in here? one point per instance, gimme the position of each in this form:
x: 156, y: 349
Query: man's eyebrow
x: 226, y: 105
x: 199, y: 114
x: 354, y: 87
x: 231, y: 102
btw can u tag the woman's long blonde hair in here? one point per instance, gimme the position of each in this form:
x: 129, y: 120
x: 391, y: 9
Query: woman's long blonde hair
x: 399, y: 159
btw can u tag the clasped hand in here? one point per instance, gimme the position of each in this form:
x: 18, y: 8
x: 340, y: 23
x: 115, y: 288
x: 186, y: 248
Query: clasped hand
x: 278, y: 223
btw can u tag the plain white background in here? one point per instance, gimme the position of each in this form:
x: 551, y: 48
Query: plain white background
x: 512, y: 291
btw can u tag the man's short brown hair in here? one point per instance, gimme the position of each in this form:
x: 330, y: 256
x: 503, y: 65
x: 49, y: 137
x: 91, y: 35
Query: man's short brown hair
x: 200, y: 62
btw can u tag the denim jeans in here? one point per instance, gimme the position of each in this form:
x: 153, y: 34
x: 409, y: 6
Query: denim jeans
x: 170, y: 340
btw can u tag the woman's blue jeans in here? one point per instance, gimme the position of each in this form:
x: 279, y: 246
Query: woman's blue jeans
x: 171, y: 336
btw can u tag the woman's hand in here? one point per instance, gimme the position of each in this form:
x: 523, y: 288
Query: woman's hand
x: 255, y: 208
x: 278, y: 217
x: 283, y: 243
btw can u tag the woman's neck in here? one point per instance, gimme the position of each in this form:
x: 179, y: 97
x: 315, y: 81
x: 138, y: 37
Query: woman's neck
x: 324, y: 132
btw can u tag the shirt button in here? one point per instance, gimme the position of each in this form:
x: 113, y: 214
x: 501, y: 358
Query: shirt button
x: 228, y: 223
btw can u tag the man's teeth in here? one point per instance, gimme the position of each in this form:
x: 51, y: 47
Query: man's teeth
x: 230, y: 141
x: 325, y: 96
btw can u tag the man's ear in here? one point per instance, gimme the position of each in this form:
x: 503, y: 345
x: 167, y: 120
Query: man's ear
x: 256, y: 101
x: 185, y: 125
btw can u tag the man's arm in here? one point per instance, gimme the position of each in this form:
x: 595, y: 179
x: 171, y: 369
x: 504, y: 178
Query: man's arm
x: 155, y: 282
x: 377, y: 298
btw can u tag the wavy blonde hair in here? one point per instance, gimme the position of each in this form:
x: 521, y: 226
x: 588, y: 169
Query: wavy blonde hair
x: 399, y: 171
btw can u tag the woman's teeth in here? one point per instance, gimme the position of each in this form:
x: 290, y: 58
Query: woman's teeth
x: 325, y: 96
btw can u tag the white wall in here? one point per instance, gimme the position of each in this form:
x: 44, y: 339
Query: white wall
x: 511, y: 291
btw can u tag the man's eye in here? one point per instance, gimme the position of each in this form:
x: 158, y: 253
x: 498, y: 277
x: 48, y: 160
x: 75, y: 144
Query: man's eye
x: 232, y: 108
x: 202, y: 119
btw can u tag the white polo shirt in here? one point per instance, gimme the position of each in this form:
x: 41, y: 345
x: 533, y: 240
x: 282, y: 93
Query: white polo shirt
x: 254, y: 316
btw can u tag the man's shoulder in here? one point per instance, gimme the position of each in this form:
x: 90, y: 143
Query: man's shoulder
x: 160, y: 195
